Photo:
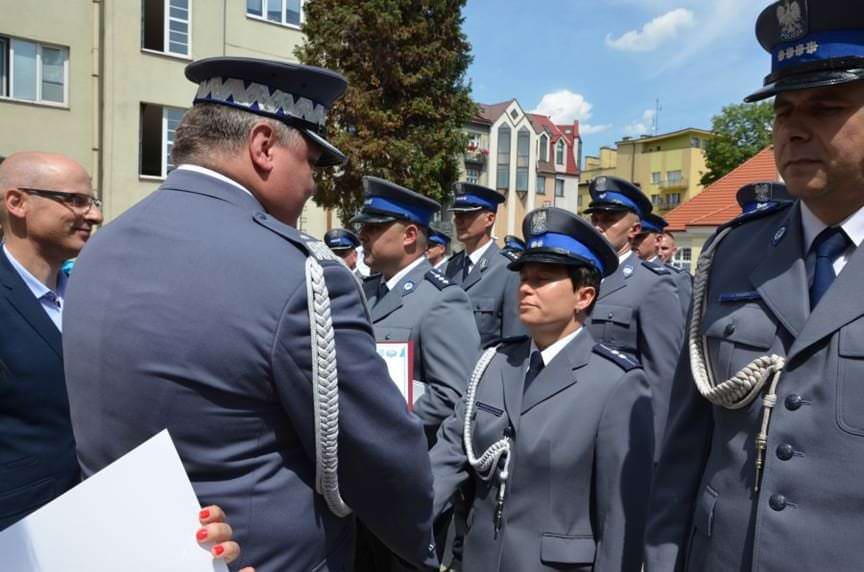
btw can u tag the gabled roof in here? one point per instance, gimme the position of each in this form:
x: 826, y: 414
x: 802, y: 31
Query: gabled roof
x: 490, y: 113
x: 717, y: 205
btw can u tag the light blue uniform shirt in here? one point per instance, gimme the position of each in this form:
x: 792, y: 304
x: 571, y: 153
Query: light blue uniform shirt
x: 51, y: 300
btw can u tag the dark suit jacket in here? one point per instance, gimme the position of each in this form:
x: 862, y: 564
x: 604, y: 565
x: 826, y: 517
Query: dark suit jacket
x: 581, y: 465
x: 37, y: 451
x: 205, y: 331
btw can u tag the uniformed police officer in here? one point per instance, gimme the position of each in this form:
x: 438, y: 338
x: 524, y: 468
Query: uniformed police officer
x: 207, y: 332
x: 638, y: 310
x: 344, y: 244
x: 559, y: 437
x: 436, y: 252
x: 481, y: 269
x: 647, y: 246
x: 766, y: 433
x: 513, y: 247
x: 409, y: 301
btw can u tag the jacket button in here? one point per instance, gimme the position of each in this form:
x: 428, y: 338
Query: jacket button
x: 610, y: 316
x: 730, y: 329
x: 785, y: 452
x: 777, y: 502
x: 793, y: 402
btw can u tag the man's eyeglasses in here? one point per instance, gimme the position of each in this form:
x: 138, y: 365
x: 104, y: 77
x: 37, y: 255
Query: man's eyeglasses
x: 77, y: 201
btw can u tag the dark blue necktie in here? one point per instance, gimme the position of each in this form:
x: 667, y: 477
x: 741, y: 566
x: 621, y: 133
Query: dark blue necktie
x: 535, y: 366
x: 466, y: 268
x: 830, y: 244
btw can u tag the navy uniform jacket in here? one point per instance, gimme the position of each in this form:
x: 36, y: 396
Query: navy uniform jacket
x: 581, y: 467
x: 189, y: 312
x: 37, y: 450
x: 807, y: 515
x: 494, y: 293
x: 639, y: 313
x: 427, y: 309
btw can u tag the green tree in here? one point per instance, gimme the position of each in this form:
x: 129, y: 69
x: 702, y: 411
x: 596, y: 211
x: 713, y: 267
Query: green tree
x: 740, y: 131
x: 407, y: 99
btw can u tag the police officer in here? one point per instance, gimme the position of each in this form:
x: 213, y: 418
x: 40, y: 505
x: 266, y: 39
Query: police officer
x: 647, y: 246
x: 344, y: 244
x: 767, y: 428
x: 410, y: 301
x: 759, y: 196
x: 481, y: 269
x: 436, y: 252
x: 219, y: 329
x: 559, y: 440
x: 513, y: 247
x: 638, y: 310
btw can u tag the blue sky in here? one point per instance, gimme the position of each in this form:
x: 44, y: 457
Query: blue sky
x: 606, y: 62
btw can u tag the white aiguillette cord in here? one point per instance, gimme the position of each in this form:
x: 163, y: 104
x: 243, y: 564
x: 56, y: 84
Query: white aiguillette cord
x: 740, y: 390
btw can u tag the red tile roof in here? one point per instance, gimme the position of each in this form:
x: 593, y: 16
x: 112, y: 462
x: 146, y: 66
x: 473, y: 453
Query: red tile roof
x: 490, y: 113
x: 717, y: 205
x: 568, y: 132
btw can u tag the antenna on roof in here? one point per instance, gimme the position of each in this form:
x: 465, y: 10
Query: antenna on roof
x: 657, y: 109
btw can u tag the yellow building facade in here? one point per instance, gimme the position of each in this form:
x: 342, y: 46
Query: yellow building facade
x: 667, y: 167
x: 103, y: 81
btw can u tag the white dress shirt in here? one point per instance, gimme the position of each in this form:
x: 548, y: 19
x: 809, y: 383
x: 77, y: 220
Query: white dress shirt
x: 549, y: 353
x: 404, y: 272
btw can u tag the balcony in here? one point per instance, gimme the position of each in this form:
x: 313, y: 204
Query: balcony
x: 670, y: 184
x: 476, y: 155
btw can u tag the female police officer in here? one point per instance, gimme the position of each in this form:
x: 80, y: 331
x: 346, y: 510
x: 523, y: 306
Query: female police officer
x: 555, y: 431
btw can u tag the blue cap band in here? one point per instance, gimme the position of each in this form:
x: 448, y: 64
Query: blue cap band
x: 512, y: 244
x: 649, y: 226
x: 757, y: 206
x: 565, y: 242
x: 438, y: 240
x: 341, y: 242
x: 474, y: 201
x: 611, y: 197
x: 412, y: 212
x: 817, y: 47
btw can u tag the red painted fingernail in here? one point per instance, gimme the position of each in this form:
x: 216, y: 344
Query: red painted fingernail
x: 218, y: 550
x: 202, y: 534
x: 204, y: 514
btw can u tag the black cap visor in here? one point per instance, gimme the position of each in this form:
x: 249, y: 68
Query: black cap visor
x: 554, y: 256
x: 330, y: 155
x: 373, y: 217
x: 467, y: 209
x: 812, y: 76
x: 608, y: 208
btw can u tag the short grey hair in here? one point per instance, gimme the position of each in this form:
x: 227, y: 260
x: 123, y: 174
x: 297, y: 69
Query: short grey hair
x: 210, y: 127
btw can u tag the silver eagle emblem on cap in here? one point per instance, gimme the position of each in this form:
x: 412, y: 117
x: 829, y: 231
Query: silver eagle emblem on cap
x: 538, y: 222
x: 792, y: 15
x: 600, y: 184
x: 763, y: 192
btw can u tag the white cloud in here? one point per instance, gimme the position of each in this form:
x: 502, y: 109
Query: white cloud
x: 587, y: 129
x: 642, y: 126
x: 654, y: 33
x: 564, y: 106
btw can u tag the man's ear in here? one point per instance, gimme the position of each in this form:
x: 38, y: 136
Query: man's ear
x: 261, y: 142
x: 636, y: 229
x: 15, y: 203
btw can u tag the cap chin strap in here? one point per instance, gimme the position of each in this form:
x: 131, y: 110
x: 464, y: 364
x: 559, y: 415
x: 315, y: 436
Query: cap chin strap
x: 491, y: 458
x: 325, y: 389
x: 741, y: 389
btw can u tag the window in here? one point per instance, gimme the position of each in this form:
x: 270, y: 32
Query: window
x: 285, y: 12
x: 695, y: 142
x: 673, y: 199
x: 683, y: 259
x: 31, y: 71
x: 655, y: 200
x: 472, y: 175
x: 158, y: 126
x: 655, y: 178
x: 523, y: 148
x: 544, y: 148
x: 165, y: 26
x: 514, y: 114
x: 559, y: 152
x: 674, y: 176
x: 559, y: 187
x: 503, y: 178
x: 541, y: 185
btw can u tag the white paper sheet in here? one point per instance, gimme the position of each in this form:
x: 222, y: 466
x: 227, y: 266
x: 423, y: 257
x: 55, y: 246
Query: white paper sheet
x: 399, y: 357
x: 139, y: 514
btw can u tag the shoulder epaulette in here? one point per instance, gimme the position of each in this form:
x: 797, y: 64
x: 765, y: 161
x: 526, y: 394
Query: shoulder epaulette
x: 756, y: 215
x: 621, y: 359
x: 656, y: 268
x: 304, y: 242
x: 506, y: 340
x: 509, y: 255
x: 437, y: 278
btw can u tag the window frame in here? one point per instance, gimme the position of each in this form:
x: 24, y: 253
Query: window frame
x: 679, y: 176
x: 544, y: 148
x: 472, y: 175
x: 500, y: 158
x: 540, y: 188
x: 523, y: 161
x: 9, y: 79
x: 166, y: 42
x: 263, y: 17
x: 165, y: 146
x: 560, y: 148
x: 559, y: 187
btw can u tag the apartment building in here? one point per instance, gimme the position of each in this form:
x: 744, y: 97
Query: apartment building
x: 526, y: 156
x: 103, y: 81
